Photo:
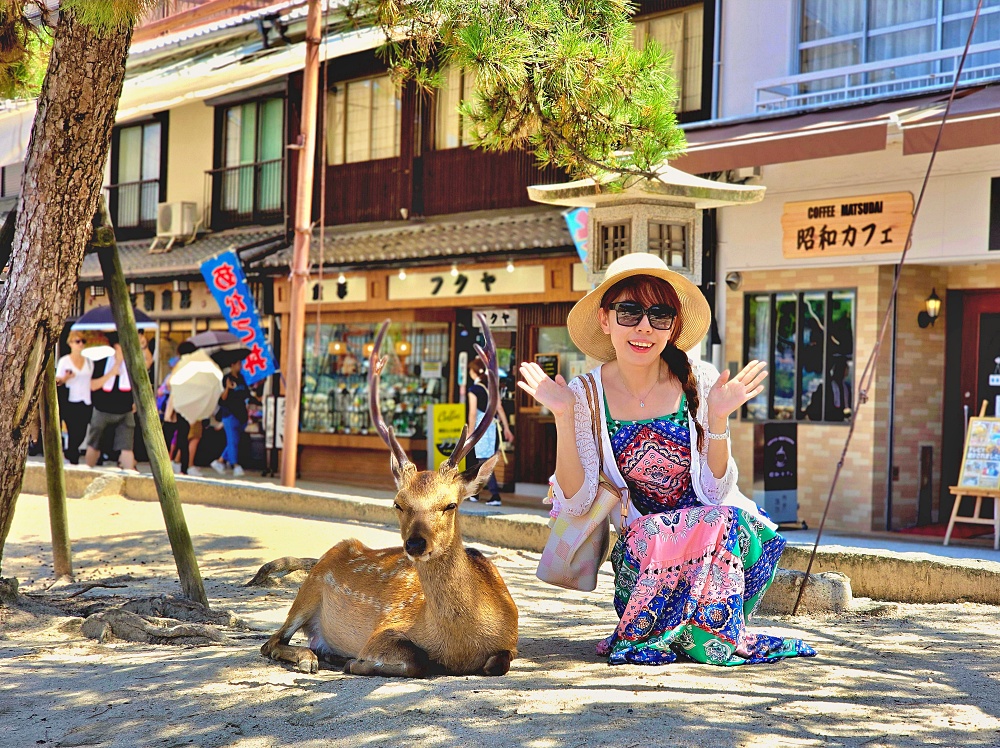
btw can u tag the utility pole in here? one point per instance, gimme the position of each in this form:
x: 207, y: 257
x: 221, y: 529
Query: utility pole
x: 303, y: 235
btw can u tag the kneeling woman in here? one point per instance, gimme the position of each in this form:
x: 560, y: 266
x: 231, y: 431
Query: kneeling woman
x: 696, y: 556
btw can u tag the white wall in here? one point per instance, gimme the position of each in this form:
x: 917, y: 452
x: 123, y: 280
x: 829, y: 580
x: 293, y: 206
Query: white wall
x: 758, y: 43
x: 189, y: 152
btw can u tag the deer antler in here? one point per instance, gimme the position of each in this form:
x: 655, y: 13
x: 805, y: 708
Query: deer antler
x: 489, y: 358
x: 375, y: 366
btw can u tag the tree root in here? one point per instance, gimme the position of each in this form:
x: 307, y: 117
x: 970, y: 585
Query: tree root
x: 161, y: 620
x: 270, y: 574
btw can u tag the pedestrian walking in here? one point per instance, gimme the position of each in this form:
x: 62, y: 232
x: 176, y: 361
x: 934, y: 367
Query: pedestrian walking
x: 74, y: 371
x: 486, y: 447
x: 113, y: 407
x: 690, y: 566
x: 175, y: 427
x: 233, y: 415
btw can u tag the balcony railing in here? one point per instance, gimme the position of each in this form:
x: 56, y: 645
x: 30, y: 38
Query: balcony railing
x: 914, y: 74
x: 133, y: 204
x: 248, y: 194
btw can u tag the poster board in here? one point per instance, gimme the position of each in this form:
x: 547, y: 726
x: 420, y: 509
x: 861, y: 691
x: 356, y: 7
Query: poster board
x: 981, y: 457
x: 446, y: 421
x: 549, y: 363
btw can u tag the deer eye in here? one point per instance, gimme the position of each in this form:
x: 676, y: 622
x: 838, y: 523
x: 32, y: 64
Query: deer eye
x: 396, y: 506
x: 450, y: 507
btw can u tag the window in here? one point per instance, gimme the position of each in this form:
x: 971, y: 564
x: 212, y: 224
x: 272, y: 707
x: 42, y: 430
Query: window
x: 136, y: 187
x: 148, y: 301
x: 363, y: 120
x: 167, y: 301
x: 682, y: 33
x: 840, y: 33
x: 614, y: 241
x: 451, y: 130
x: 249, y: 187
x: 185, y: 302
x: 807, y: 340
x: 668, y: 241
x: 10, y: 179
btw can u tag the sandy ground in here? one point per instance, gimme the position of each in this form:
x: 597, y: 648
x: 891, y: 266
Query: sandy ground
x: 895, y: 675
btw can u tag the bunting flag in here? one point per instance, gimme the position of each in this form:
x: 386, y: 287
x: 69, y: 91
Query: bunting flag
x: 224, y: 276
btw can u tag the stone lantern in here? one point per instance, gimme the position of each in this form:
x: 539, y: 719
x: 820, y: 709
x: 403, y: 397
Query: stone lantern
x: 662, y: 216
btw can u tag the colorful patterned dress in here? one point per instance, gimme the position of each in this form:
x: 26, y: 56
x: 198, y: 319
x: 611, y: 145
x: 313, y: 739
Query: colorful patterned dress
x: 687, y: 576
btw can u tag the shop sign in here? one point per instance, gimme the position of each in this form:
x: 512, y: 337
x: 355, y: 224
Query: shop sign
x: 331, y: 291
x: 497, y: 319
x: 224, y: 275
x: 468, y: 281
x: 446, y: 423
x: 846, y: 225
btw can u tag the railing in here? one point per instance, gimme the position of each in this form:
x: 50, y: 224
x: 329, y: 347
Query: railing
x: 248, y: 194
x: 133, y: 204
x: 914, y: 74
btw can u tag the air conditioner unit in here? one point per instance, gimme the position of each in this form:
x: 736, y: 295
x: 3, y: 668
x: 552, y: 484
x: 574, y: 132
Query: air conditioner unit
x: 176, y: 219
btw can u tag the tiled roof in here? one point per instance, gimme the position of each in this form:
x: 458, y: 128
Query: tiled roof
x: 139, y: 263
x: 481, y: 232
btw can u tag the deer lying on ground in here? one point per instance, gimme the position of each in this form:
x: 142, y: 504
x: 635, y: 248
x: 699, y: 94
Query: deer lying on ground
x: 431, y: 606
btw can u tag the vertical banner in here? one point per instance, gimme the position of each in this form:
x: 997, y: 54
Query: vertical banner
x: 445, y: 426
x: 577, y: 223
x: 225, y: 279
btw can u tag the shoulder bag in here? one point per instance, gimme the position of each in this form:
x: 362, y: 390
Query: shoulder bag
x: 577, y: 546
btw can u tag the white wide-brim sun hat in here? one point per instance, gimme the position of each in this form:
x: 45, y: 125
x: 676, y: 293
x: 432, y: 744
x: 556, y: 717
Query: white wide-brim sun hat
x: 694, y: 315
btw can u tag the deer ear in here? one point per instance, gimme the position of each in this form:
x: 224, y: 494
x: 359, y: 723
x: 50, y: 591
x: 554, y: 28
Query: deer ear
x: 400, y: 472
x: 476, y: 478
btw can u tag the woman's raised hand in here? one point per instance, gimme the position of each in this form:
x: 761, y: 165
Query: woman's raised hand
x: 728, y: 394
x: 554, y: 394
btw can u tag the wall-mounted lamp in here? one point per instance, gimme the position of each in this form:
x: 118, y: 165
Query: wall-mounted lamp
x: 341, y: 279
x: 510, y: 266
x: 402, y: 274
x: 932, y: 308
x: 454, y: 271
x: 734, y: 280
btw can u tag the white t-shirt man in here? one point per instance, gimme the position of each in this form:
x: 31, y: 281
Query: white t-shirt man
x: 78, y: 385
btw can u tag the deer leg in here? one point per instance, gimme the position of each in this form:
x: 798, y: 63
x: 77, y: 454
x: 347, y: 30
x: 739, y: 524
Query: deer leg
x: 278, y: 648
x: 390, y: 654
x: 498, y: 664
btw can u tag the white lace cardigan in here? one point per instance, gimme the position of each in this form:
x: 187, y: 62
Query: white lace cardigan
x: 708, y: 488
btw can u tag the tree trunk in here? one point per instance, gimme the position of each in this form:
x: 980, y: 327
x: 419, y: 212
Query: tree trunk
x: 55, y: 479
x: 59, y: 197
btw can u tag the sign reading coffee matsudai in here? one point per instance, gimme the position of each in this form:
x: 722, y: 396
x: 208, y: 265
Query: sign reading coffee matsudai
x: 846, y: 225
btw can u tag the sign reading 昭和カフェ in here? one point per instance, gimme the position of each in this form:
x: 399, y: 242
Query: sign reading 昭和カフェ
x: 846, y: 225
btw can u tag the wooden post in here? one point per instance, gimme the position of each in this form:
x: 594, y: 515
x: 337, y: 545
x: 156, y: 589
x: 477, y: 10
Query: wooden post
x: 300, y: 256
x: 62, y: 559
x: 104, y: 243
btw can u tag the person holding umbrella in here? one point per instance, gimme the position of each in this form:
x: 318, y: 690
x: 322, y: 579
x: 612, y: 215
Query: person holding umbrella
x: 111, y: 395
x: 176, y: 424
x: 233, y: 415
x: 75, y: 371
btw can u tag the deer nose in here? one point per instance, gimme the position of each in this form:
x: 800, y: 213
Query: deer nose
x: 415, y: 546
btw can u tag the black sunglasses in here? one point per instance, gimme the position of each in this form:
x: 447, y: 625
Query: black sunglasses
x: 630, y: 313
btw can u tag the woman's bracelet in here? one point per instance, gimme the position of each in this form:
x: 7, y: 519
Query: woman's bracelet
x: 718, y: 437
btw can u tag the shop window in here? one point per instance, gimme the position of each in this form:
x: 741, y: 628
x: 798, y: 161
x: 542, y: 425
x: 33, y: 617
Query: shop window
x: 10, y: 179
x: 614, y: 240
x: 451, y: 130
x: 167, y: 301
x: 363, y: 120
x: 840, y: 33
x: 668, y: 241
x: 680, y: 33
x: 807, y: 340
x: 335, y: 377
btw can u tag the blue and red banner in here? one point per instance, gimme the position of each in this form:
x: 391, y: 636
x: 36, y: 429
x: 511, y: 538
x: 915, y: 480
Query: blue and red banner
x: 224, y: 276
x: 576, y: 222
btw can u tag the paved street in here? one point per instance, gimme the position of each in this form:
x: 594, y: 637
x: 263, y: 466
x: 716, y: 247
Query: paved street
x: 888, y: 675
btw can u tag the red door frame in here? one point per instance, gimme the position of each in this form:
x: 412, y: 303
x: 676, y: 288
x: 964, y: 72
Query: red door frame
x: 976, y: 304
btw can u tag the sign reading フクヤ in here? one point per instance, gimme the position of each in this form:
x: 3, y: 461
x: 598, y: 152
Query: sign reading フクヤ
x: 846, y: 225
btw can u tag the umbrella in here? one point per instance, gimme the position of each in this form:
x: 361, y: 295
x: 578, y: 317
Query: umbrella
x: 229, y: 356
x: 196, y: 384
x: 211, y: 338
x: 100, y: 318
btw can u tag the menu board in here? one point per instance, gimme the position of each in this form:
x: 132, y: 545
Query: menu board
x: 981, y: 460
x: 549, y: 363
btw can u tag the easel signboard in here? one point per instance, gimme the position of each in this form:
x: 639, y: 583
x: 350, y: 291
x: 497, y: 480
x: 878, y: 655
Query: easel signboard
x: 981, y: 459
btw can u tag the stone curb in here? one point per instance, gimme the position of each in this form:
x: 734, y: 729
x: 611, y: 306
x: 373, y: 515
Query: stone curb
x: 880, y: 575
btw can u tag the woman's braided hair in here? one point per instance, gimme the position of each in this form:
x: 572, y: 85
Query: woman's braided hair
x: 648, y: 290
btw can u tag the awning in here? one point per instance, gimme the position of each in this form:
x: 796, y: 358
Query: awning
x: 775, y: 140
x: 974, y: 121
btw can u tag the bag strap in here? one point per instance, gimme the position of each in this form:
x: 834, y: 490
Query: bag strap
x: 593, y: 400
